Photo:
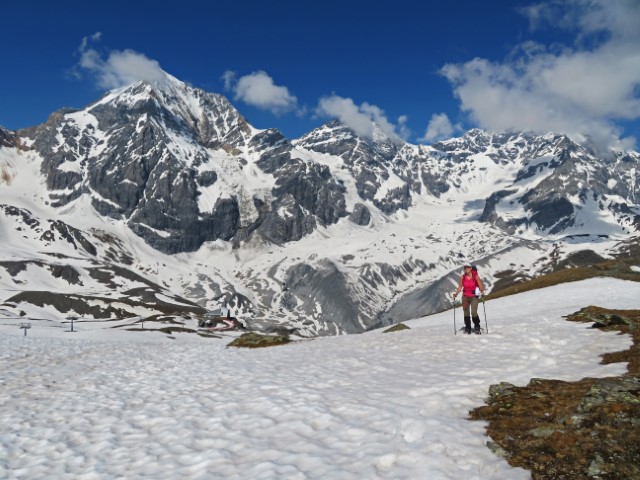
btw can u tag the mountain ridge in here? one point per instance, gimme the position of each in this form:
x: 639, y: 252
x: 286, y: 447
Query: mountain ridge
x: 328, y: 233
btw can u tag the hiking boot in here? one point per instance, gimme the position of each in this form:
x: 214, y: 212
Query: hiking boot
x: 476, y: 325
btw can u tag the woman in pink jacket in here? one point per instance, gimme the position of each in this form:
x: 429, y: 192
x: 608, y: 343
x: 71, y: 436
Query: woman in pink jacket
x: 470, y: 283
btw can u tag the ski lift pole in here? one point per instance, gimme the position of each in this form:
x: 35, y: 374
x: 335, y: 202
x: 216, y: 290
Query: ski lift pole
x: 25, y: 327
x: 486, y: 326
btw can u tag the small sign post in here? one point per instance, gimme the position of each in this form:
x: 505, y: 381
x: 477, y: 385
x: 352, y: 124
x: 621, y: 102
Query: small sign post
x: 71, y: 318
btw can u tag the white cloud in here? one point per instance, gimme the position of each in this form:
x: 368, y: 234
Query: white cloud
x: 619, y: 18
x: 96, y: 37
x: 581, y: 90
x: 259, y: 90
x: 439, y: 128
x: 119, y: 68
x: 228, y: 78
x: 361, y: 118
x: 402, y: 128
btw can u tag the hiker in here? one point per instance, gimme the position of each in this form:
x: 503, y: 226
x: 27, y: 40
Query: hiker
x: 471, y: 286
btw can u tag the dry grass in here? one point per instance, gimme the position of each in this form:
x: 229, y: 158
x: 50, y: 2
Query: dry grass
x: 619, y: 268
x: 5, y: 176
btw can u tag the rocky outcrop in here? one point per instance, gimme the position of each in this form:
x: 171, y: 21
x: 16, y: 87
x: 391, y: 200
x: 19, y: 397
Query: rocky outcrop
x: 8, y: 139
x: 360, y: 215
x: 373, y: 162
x: 305, y: 194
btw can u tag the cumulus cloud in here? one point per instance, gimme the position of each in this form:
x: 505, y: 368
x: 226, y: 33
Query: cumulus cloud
x: 582, y: 89
x: 258, y: 89
x: 361, y: 118
x: 439, y: 128
x: 116, y: 68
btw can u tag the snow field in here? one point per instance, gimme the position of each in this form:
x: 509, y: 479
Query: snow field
x: 350, y: 407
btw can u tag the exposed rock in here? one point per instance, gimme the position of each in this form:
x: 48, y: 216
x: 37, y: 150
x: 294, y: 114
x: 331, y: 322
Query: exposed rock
x: 489, y: 213
x: 7, y: 138
x: 601, y: 318
x: 397, y: 328
x: 256, y: 340
x: 615, y: 390
x: 14, y: 267
x: 582, y: 258
x: 497, y: 449
x: 67, y: 273
x: 501, y: 390
x: 360, y: 215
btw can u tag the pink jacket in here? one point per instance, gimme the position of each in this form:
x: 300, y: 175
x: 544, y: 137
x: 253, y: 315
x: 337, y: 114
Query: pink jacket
x: 469, y: 285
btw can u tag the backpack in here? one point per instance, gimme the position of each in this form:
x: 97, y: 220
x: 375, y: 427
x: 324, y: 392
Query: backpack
x: 474, y: 274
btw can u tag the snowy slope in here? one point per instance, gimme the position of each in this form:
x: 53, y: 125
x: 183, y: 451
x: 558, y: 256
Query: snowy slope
x: 105, y: 403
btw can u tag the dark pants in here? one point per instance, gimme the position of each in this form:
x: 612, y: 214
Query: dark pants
x: 470, y: 309
x: 470, y: 306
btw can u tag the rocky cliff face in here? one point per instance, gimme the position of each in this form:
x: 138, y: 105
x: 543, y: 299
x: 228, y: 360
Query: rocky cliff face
x: 305, y: 194
x: 560, y: 184
x: 383, y: 168
x: 549, y: 178
x: 150, y: 152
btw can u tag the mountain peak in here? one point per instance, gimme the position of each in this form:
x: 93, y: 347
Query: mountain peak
x: 211, y: 116
x: 477, y: 132
x: 166, y: 89
x: 371, y: 133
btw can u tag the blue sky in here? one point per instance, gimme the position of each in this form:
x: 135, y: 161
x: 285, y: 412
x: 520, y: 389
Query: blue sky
x: 424, y: 70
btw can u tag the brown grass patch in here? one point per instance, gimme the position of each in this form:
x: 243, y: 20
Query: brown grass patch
x: 619, y: 268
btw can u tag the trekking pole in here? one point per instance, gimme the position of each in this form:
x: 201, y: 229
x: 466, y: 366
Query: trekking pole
x: 455, y: 330
x: 486, y: 326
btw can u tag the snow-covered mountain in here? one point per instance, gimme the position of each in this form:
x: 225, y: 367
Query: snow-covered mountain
x: 161, y: 199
